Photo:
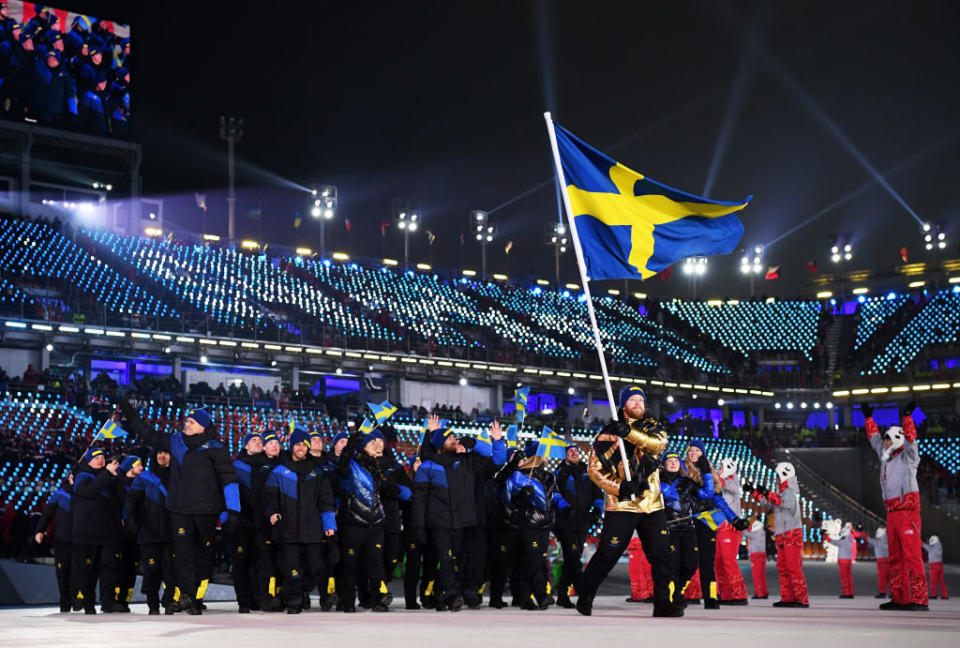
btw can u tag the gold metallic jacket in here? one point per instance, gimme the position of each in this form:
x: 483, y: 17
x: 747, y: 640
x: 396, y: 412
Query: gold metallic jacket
x: 647, y: 439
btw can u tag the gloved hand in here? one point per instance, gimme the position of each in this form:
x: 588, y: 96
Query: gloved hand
x: 232, y: 525
x: 908, y: 408
x: 619, y: 428
x: 859, y: 526
x: 515, y: 459
x: 703, y: 465
x: 468, y: 442
x: 748, y: 488
x: 420, y: 536
x: 867, y: 410
x: 390, y: 490
x: 628, y: 490
x: 527, y: 492
x: 740, y: 524
x: 762, y: 490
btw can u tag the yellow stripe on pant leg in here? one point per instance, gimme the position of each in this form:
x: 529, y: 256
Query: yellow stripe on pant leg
x: 272, y: 587
x: 713, y: 589
x: 202, y: 590
x: 331, y: 585
x: 673, y: 588
x: 429, y: 590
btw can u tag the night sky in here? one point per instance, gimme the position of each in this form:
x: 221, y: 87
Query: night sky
x: 441, y: 103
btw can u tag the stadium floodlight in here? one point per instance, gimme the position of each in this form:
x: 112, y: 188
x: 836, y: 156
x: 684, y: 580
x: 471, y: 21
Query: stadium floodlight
x: 695, y: 267
x: 324, y: 208
x: 841, y: 248
x: 463, y: 381
x: 555, y: 236
x: 934, y: 238
x: 485, y: 231
x: 231, y: 131
x: 407, y: 219
x: 751, y: 264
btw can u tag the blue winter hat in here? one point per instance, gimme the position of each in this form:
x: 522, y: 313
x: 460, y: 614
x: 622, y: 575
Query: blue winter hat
x: 670, y: 455
x: 439, y: 436
x: 697, y: 443
x: 129, y: 462
x: 376, y: 434
x: 299, y: 435
x: 201, y: 416
x: 530, y: 448
x: 510, y: 453
x: 54, y: 54
x: 269, y: 436
x: 629, y: 391
x: 92, y: 452
x: 250, y: 436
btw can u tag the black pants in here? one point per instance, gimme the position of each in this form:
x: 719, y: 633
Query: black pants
x: 685, y: 555
x: 412, y: 559
x: 447, y: 543
x: 193, y: 552
x: 268, y: 565
x: 129, y: 567
x: 473, y: 561
x: 361, y: 553
x: 392, y: 553
x: 63, y: 559
x: 707, y: 545
x: 244, y: 551
x: 156, y: 563
x: 571, y: 545
x: 502, y: 558
x: 428, y: 579
x: 91, y: 562
x: 300, y: 562
x: 531, y: 566
x: 618, y: 528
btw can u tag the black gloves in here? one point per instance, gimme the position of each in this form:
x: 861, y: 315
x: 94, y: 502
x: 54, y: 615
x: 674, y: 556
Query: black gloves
x: 703, y: 465
x: 390, y: 490
x: 619, y: 428
x: 740, y: 524
x: 527, y: 492
x: 859, y: 526
x: 748, y: 488
x: 628, y: 490
x: 232, y: 525
x: 908, y: 408
x: 515, y: 459
x: 762, y: 490
x: 468, y: 442
x: 867, y: 410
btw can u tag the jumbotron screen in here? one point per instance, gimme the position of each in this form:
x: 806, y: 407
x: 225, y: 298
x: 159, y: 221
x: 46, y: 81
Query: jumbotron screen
x: 64, y: 69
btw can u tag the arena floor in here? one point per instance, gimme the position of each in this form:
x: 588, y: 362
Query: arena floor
x: 829, y: 622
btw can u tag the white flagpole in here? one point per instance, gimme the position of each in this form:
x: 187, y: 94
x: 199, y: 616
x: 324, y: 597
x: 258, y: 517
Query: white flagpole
x: 586, y: 284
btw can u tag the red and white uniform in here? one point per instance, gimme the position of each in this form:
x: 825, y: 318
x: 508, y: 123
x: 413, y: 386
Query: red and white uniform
x: 935, y: 556
x: 844, y: 545
x: 882, y: 554
x: 788, y: 534
x: 729, y: 579
x: 901, y: 498
x: 641, y: 583
x: 757, y: 548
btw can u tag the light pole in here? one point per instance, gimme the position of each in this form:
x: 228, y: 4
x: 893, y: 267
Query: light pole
x: 324, y: 207
x: 840, y: 253
x: 695, y: 267
x: 231, y: 130
x: 484, y: 231
x: 408, y: 222
x: 752, y: 266
x: 935, y: 240
x: 555, y: 236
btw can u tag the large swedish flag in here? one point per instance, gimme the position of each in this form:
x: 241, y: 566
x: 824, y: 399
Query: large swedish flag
x: 630, y: 226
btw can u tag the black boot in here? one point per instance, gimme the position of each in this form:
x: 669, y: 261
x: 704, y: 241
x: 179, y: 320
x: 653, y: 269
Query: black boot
x: 564, y: 601
x: 188, y: 605
x: 667, y: 610
x: 305, y: 603
x: 711, y: 604
x: 585, y: 604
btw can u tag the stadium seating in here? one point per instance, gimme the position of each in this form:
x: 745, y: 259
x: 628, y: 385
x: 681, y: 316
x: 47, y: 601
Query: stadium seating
x: 754, y: 326
x: 37, y: 252
x: 874, y: 311
x: 944, y: 450
x: 938, y: 322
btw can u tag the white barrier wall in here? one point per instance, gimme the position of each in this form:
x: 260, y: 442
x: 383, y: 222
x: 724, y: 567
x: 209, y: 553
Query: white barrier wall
x: 413, y: 392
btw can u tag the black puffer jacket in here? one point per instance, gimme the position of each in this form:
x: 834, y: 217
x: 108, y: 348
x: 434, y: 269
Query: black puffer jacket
x: 96, y: 507
x: 361, y: 485
x: 300, y: 492
x: 531, y: 496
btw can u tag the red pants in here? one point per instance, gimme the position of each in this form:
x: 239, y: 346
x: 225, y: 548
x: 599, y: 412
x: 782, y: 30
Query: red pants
x: 793, y: 586
x: 758, y: 566
x: 641, y: 584
x: 936, y: 578
x: 729, y: 579
x: 883, y: 576
x: 693, y: 591
x: 846, y: 576
x: 908, y: 579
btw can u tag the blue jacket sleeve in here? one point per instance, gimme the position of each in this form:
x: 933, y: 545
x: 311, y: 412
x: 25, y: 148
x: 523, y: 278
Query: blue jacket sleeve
x: 499, y: 452
x: 231, y: 495
x: 706, y: 491
x: 724, y: 507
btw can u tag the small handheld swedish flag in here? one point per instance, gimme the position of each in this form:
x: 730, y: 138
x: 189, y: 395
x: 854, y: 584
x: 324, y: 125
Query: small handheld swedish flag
x: 513, y: 436
x: 713, y: 518
x: 367, y: 426
x: 383, y: 411
x: 552, y: 445
x: 632, y: 227
x: 520, y: 400
x: 111, y: 430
